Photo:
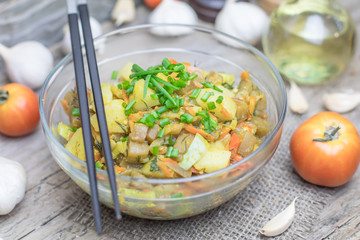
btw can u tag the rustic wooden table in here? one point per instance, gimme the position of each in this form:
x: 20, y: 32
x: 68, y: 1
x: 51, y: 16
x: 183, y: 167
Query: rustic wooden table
x: 46, y: 211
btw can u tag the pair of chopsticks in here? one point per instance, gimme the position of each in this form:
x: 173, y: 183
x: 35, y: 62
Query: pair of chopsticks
x: 75, y: 8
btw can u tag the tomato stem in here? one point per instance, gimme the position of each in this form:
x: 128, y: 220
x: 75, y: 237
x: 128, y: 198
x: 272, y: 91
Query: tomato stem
x: 328, y: 136
x: 4, y: 95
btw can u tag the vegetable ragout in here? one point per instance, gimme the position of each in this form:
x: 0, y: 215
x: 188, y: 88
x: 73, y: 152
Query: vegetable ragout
x: 171, y: 120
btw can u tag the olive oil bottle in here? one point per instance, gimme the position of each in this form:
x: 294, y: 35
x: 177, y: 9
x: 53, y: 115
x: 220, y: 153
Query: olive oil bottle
x: 310, y: 41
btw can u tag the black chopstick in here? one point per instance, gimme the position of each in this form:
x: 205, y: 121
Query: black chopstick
x: 84, y: 110
x: 98, y: 100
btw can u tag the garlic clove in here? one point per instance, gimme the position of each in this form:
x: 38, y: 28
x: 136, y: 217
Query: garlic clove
x: 280, y: 222
x: 297, y: 100
x: 27, y: 63
x: 95, y: 29
x: 176, y: 12
x: 12, y: 184
x: 124, y: 11
x: 341, y: 102
x: 243, y: 20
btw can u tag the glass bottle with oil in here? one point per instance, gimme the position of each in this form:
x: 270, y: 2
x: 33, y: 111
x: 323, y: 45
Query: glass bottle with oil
x: 310, y: 41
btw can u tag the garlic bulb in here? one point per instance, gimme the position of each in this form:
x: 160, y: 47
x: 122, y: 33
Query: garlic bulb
x: 243, y: 20
x: 341, y: 102
x: 124, y: 11
x: 27, y: 63
x: 171, y: 11
x: 95, y: 29
x: 12, y: 185
x: 297, y: 100
x: 280, y: 222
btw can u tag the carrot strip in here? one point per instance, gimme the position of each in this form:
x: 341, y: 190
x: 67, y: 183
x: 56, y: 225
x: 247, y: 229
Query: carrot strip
x: 225, y: 113
x: 131, y: 125
x: 172, y: 61
x: 64, y: 103
x: 165, y: 169
x: 186, y: 63
x: 119, y: 169
x: 198, y: 85
x: 235, y: 157
x: 224, y: 132
x: 212, y: 116
x: 70, y: 135
x: 194, y: 170
x: 191, y: 111
x: 97, y: 155
x: 235, y: 141
x: 245, y: 75
x: 125, y: 96
x: 162, y: 150
x: 252, y: 104
x: 194, y: 130
x: 169, y: 160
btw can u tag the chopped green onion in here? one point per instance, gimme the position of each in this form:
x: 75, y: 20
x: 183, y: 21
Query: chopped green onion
x: 169, y: 104
x: 219, y: 99
x: 174, y: 153
x: 126, y: 85
x: 147, y: 80
x: 130, y: 105
x: 206, y: 96
x: 75, y: 112
x: 155, y: 114
x: 162, y: 110
x: 176, y: 195
x: 74, y: 129
x: 207, y: 84
x: 119, y: 86
x: 211, y: 105
x: 124, y: 104
x: 179, y: 67
x: 129, y: 90
x: 171, y: 142
x: 161, y: 133
x: 193, y: 76
x: 168, y: 152
x: 154, y: 96
x: 165, y: 83
x: 166, y: 63
x: 228, y: 86
x: 156, y: 150
x: 124, y: 139
x: 164, y: 122
x: 195, y: 93
x: 216, y: 88
x: 181, y: 102
x: 98, y: 165
x: 161, y: 89
x: 114, y: 75
x: 186, y: 118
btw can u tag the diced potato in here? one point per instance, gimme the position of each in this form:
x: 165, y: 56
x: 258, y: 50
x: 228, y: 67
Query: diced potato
x: 227, y: 78
x: 125, y: 72
x: 225, y: 111
x: 173, y: 129
x: 64, y: 130
x: 152, y: 133
x: 227, y: 92
x: 247, y: 145
x: 116, y: 91
x: 76, y: 145
x: 196, y: 150
x: 115, y: 116
x: 137, y: 151
x: 139, y: 132
x: 138, y: 95
x: 106, y: 94
x: 149, y: 171
x: 120, y: 147
x: 213, y: 161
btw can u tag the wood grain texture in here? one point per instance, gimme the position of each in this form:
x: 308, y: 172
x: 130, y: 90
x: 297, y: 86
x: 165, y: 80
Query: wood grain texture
x: 54, y: 207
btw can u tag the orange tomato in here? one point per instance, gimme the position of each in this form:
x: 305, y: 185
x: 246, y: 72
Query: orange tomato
x: 152, y: 3
x: 19, y: 110
x: 325, y: 149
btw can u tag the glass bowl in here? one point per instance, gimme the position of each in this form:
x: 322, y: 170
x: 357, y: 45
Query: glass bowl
x: 202, y: 47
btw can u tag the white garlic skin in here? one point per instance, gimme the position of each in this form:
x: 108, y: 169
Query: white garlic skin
x: 341, y: 102
x: 27, y: 63
x: 297, y: 100
x: 280, y: 222
x: 242, y: 20
x: 123, y: 11
x: 12, y: 185
x: 171, y: 11
x: 96, y: 31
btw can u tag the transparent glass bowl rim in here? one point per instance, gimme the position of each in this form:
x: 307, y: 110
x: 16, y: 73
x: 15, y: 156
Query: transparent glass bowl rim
x: 208, y: 30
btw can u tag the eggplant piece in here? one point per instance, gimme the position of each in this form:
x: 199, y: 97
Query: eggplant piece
x: 152, y: 133
x: 136, y: 151
x: 139, y: 133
